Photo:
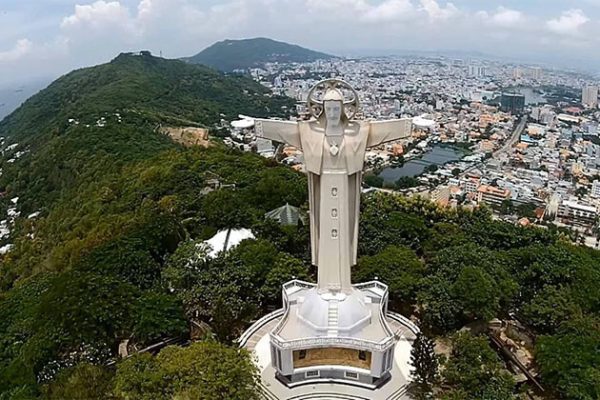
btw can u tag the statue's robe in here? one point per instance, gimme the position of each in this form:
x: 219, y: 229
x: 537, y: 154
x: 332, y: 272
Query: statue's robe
x: 334, y: 238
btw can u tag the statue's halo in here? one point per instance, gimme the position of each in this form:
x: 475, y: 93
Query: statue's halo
x: 314, y: 101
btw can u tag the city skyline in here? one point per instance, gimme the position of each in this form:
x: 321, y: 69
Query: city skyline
x: 53, y: 37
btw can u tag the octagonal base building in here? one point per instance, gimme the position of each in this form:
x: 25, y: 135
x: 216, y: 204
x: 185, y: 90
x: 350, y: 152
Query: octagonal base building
x: 333, y: 335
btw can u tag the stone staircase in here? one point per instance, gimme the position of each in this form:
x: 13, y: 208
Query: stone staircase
x: 332, y: 319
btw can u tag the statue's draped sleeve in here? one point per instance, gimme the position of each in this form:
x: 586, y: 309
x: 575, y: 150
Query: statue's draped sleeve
x: 280, y: 131
x: 388, y: 131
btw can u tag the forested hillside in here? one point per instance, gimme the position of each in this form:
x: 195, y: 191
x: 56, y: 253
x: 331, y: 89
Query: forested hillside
x: 109, y: 198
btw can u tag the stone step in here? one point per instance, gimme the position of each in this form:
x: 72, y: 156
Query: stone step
x: 332, y: 318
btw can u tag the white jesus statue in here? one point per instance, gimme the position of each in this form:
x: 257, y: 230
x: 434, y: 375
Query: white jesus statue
x: 334, y: 148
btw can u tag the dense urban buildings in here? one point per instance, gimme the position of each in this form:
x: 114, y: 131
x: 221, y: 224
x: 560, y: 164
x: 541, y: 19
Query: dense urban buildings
x: 522, y: 139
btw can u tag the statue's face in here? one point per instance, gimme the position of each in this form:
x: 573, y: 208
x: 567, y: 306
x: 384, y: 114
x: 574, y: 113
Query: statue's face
x: 333, y: 111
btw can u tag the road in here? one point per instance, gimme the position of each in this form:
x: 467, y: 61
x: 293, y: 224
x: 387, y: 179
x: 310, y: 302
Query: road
x: 513, y: 139
x: 506, y: 147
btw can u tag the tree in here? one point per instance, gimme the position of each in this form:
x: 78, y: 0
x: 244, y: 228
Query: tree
x: 204, y: 370
x: 431, y: 168
x: 128, y: 257
x: 475, y: 370
x: 373, y: 180
x: 425, y: 367
x: 223, y: 292
x: 581, y: 191
x: 398, y: 267
x: 397, y: 161
x: 156, y: 316
x: 456, y: 172
x: 81, y: 317
x: 526, y: 210
x: 284, y: 270
x: 549, y: 308
x: 468, y: 283
x: 443, y: 235
x: 406, y: 182
x: 256, y: 256
x: 569, y: 361
x: 478, y: 293
x: 293, y: 240
x: 506, y: 207
x: 85, y: 381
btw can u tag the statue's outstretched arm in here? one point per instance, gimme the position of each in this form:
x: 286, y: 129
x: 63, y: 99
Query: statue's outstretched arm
x: 388, y: 131
x: 281, y: 131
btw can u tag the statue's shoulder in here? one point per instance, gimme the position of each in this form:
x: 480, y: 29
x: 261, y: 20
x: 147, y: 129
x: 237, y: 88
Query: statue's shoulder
x: 312, y: 125
x: 357, y: 124
x: 355, y: 128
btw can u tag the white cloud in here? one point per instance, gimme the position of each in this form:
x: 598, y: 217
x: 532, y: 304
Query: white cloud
x: 436, y: 12
x: 502, y: 18
x: 360, y: 11
x: 569, y: 23
x: 337, y: 6
x: 22, y: 48
x: 98, y: 15
x: 389, y: 10
x: 505, y: 17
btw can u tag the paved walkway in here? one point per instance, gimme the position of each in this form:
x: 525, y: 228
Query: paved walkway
x: 395, y: 389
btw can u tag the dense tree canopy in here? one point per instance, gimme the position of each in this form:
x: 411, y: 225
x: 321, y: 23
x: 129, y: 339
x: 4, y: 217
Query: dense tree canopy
x: 475, y: 371
x: 570, y: 360
x: 206, y: 370
x: 398, y: 267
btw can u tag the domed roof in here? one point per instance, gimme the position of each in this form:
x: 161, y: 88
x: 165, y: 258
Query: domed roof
x: 334, y: 312
x: 314, y: 310
x: 353, y: 312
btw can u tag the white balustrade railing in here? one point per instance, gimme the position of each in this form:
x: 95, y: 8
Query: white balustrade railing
x: 404, y: 321
x: 257, y: 325
x: 332, y: 341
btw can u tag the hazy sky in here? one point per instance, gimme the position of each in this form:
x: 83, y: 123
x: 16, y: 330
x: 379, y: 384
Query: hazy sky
x: 50, y: 37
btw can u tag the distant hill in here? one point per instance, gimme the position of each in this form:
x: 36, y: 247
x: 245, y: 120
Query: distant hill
x: 230, y: 55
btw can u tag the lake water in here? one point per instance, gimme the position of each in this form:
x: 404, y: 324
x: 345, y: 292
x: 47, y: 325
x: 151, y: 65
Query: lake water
x: 531, y: 97
x: 438, y: 155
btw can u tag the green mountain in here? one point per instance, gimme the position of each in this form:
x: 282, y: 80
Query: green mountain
x: 230, y: 55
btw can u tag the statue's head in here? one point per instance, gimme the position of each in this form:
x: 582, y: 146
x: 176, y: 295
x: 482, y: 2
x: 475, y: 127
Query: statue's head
x: 333, y: 106
x: 332, y: 102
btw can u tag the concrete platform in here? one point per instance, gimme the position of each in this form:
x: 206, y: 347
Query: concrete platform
x: 257, y: 339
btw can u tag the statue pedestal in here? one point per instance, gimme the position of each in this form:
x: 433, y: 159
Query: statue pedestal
x: 333, y: 335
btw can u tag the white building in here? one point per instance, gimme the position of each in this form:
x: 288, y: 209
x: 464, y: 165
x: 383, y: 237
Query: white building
x: 476, y: 71
x: 573, y: 212
x: 589, y: 96
x: 536, y: 73
x: 595, y: 189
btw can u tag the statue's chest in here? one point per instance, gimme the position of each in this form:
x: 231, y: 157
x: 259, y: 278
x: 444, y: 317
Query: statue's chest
x: 334, y: 155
